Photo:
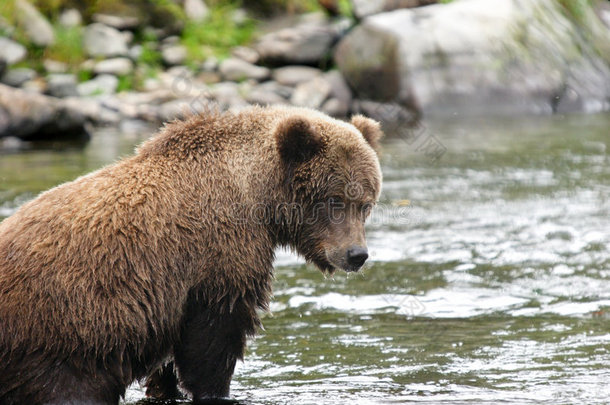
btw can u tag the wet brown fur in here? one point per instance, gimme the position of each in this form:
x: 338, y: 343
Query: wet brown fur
x: 104, y: 278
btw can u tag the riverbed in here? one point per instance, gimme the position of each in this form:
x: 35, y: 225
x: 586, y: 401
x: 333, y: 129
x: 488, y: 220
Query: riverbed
x: 489, y: 278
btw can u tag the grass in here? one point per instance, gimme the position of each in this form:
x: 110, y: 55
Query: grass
x: 217, y: 35
x: 68, y: 46
x: 576, y: 9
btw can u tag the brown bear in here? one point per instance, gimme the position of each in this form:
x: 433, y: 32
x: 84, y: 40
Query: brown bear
x: 167, y: 255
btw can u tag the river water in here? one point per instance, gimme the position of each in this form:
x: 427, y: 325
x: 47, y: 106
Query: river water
x: 489, y: 280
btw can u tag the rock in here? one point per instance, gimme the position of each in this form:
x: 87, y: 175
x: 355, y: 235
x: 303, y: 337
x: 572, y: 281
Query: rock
x: 195, y: 10
x: 171, y: 40
x: 294, y: 75
x: 479, y: 57
x: 395, y: 118
x: 16, y: 77
x: 118, y: 22
x: 33, y: 116
x: 114, y: 66
x: 264, y: 95
x: 364, y: 8
x: 587, y: 88
x: 3, y: 65
x: 53, y: 66
x: 135, y: 52
x: 102, y: 84
x: 227, y: 95
x: 247, y: 54
x: 234, y: 69
x: 209, y: 77
x: 304, y: 44
x: 70, y: 18
x: 335, y: 107
x: 311, y: 94
x: 102, y: 40
x: 339, y: 88
x: 128, y: 36
x: 210, y: 64
x: 36, y: 27
x: 92, y: 110
x: 173, y: 55
x: 61, y: 85
x: 36, y: 85
x: 239, y: 16
x: 11, y: 52
x: 182, y: 108
x: 277, y: 88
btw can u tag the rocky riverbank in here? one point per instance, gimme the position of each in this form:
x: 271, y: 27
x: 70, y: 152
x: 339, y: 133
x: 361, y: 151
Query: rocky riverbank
x: 466, y: 57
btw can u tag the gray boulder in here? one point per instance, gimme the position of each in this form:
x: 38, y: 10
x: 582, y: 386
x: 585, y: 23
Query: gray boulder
x: 480, y: 57
x: 114, y: 66
x: 195, y: 10
x: 339, y: 90
x: 33, y: 116
x: 16, y: 77
x: 70, y: 18
x: 62, y: 85
x: 100, y: 85
x: 118, y: 22
x: 267, y: 93
x: 37, y: 28
x: 173, y: 55
x: 11, y: 52
x: 294, y: 75
x: 102, y: 40
x: 311, y: 94
x: 244, y: 53
x: 234, y: 69
x: 364, y: 8
x: 303, y: 44
x: 54, y: 66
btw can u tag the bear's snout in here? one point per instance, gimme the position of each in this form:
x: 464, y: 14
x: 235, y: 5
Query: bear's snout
x: 356, y: 256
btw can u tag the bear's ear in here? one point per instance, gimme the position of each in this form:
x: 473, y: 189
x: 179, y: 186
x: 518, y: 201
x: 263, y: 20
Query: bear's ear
x: 370, y: 129
x: 296, y: 140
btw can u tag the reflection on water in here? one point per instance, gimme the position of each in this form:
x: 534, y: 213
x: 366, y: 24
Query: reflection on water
x: 492, y: 284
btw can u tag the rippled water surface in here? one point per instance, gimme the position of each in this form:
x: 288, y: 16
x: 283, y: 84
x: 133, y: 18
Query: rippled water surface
x: 490, y: 278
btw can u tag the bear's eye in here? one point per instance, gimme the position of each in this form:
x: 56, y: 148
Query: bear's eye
x: 366, y: 209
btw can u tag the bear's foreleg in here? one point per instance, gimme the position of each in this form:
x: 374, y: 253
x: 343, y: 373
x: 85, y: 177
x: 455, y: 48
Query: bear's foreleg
x: 212, y: 341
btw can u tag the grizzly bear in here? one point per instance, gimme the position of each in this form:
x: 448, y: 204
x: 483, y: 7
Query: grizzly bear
x: 167, y: 255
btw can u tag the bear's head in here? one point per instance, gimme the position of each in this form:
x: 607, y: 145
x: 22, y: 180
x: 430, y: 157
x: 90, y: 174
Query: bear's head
x: 332, y: 179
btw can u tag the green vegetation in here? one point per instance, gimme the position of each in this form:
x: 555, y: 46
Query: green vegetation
x: 214, y: 37
x: 217, y: 35
x: 576, y: 9
x: 68, y: 46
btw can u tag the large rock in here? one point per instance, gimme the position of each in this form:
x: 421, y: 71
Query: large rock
x: 33, y: 116
x: 114, y: 66
x: 234, y: 69
x: 195, y: 10
x: 312, y: 93
x: 70, y: 18
x: 364, y: 8
x: 480, y: 57
x: 118, y: 22
x: 11, y: 52
x: 100, y: 85
x: 102, y: 40
x: 62, y: 85
x: 303, y: 44
x: 294, y: 75
x: 174, y: 55
x: 37, y: 28
x: 16, y: 77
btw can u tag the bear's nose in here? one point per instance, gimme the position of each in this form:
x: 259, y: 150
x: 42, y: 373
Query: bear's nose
x: 356, y: 256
